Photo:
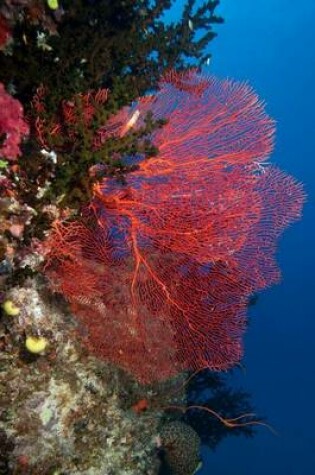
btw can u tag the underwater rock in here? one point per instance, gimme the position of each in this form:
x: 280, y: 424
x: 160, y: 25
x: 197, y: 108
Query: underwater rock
x: 63, y: 411
x: 181, y: 447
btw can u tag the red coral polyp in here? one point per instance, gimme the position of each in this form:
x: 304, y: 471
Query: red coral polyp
x: 168, y: 261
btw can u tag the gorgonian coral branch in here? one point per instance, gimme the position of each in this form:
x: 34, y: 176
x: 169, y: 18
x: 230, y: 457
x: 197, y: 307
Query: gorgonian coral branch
x: 175, y: 253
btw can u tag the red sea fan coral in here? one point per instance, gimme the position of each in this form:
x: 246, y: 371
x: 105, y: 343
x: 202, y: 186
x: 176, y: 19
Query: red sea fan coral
x: 12, y: 126
x: 224, y: 123
x: 168, y: 261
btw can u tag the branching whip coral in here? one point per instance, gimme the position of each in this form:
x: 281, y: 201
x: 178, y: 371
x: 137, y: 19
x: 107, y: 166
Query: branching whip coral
x: 159, y: 270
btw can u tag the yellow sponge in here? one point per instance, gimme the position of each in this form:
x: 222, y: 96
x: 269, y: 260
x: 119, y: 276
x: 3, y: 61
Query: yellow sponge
x: 10, y: 308
x: 36, y: 344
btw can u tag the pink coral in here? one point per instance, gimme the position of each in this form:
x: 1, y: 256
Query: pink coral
x: 12, y: 125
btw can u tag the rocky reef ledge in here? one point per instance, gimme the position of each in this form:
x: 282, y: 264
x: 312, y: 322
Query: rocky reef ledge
x: 62, y: 411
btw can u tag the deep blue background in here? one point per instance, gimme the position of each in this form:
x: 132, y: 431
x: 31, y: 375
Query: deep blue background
x: 271, y: 44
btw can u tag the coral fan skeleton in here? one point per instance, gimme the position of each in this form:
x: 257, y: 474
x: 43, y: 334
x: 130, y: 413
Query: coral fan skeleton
x: 160, y: 270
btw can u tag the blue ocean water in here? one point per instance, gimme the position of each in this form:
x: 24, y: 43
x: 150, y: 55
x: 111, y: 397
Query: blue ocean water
x: 271, y: 44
